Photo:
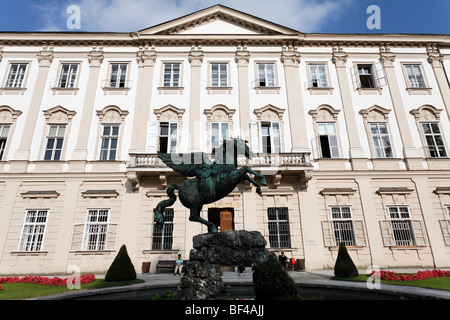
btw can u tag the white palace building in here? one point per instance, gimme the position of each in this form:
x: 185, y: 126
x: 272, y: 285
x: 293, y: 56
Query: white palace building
x: 352, y: 132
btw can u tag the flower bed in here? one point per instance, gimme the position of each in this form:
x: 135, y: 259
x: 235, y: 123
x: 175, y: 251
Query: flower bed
x: 56, y: 281
x: 421, y: 275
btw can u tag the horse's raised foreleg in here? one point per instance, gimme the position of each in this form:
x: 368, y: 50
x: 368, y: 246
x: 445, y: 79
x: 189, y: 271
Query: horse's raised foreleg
x: 195, y: 216
x: 257, y: 175
x: 241, y: 174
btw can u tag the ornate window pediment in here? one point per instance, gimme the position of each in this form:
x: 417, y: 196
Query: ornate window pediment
x: 59, y: 114
x: 426, y: 113
x: 269, y: 113
x: 324, y: 112
x: 112, y: 113
x: 375, y: 114
x: 8, y: 114
x: 219, y: 113
x: 169, y: 113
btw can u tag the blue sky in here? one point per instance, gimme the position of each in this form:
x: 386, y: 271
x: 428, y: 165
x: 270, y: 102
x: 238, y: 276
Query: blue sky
x: 310, y: 16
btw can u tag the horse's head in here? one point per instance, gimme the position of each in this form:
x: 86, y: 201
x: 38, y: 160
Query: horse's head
x: 231, y: 148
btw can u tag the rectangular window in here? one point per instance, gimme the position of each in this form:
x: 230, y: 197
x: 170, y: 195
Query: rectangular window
x: 328, y: 140
x: 401, y: 226
x: 381, y: 140
x: 271, y: 137
x: 118, y: 75
x: 266, y: 74
x: 366, y: 75
x: 318, y: 74
x: 163, y: 238
x: 16, y: 75
x: 415, y: 76
x: 219, y: 133
x: 434, y: 140
x: 33, y: 230
x: 109, y: 142
x: 172, y: 74
x: 55, y: 140
x: 68, y: 75
x: 4, y: 132
x: 343, y: 226
x: 279, y: 234
x: 168, y: 132
x: 96, y: 230
x: 219, y: 74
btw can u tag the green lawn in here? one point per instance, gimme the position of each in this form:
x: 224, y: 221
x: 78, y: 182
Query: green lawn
x: 441, y: 283
x: 19, y: 291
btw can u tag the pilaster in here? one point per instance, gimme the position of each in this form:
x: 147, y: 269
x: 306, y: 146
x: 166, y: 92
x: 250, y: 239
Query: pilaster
x: 195, y: 134
x: 242, y: 59
x: 436, y: 59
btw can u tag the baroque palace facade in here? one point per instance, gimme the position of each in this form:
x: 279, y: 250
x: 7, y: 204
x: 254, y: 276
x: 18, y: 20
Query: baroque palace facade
x: 351, y: 131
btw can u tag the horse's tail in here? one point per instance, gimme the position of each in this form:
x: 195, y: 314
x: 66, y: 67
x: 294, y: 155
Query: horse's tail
x: 159, y: 211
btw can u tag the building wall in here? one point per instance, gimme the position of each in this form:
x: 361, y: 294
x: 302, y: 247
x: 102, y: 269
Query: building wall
x: 79, y: 181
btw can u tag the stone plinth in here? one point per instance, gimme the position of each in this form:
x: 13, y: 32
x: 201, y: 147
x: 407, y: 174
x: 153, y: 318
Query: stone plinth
x: 203, y: 277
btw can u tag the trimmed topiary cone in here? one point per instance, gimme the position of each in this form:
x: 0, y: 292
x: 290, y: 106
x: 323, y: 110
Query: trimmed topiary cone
x: 344, y: 267
x: 121, y: 269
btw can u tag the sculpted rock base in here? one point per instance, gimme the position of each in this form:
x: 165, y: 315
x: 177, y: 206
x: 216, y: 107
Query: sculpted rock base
x: 203, y: 277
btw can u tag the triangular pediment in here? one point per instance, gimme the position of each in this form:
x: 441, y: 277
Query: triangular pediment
x: 218, y: 20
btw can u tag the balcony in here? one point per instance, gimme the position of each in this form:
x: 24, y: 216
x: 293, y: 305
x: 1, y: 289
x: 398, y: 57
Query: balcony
x: 274, y: 165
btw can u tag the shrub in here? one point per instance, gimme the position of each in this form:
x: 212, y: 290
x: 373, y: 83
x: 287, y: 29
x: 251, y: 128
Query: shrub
x: 272, y: 282
x: 121, y: 268
x: 344, y: 266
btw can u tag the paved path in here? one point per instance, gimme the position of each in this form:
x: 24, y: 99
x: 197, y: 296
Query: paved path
x: 318, y: 280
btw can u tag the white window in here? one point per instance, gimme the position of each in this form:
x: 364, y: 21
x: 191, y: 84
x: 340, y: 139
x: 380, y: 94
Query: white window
x: 96, y: 230
x: 271, y: 137
x: 343, y: 225
x: 4, y: 132
x: 16, y: 75
x: 33, y: 230
x: 219, y: 74
x: 118, y: 76
x: 168, y: 132
x: 163, y: 238
x: 55, y: 141
x: 434, y: 140
x: 266, y: 74
x: 381, y: 140
x: 366, y: 73
x: 279, y: 232
x: 318, y: 73
x: 401, y: 225
x: 109, y: 142
x: 415, y: 76
x: 172, y: 74
x: 68, y: 75
x: 327, y: 136
x: 219, y: 133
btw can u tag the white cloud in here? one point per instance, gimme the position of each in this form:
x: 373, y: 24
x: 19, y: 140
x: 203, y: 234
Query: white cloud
x: 134, y: 15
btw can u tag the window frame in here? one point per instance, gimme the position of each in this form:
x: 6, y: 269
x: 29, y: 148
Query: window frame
x: 72, y: 75
x: 382, y: 147
x: 310, y: 75
x: 220, y: 133
x: 111, y: 136
x: 409, y: 83
x: 272, y: 137
x: 275, y: 236
x: 401, y: 222
x: 102, y: 231
x: 4, y: 139
x: 220, y: 82
x: 162, y: 239
x: 433, y: 135
x: 330, y: 146
x: 170, y: 136
x: 37, y: 236
x: 171, y: 82
x: 337, y: 224
x: 55, y: 139
x: 24, y: 79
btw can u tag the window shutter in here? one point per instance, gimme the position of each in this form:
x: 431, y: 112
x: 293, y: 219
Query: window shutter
x: 151, y: 137
x: 111, y: 237
x: 328, y: 234
x: 276, y: 136
x: 77, y: 237
x: 419, y: 233
x: 381, y: 76
x: 355, y: 78
x: 386, y: 231
x: 254, y: 131
x: 360, y: 233
x: 445, y: 227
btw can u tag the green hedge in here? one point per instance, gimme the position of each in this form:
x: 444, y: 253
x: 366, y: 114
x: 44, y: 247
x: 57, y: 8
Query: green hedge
x: 122, y: 268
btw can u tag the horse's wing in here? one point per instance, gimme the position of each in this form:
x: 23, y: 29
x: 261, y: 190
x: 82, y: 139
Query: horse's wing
x: 187, y: 164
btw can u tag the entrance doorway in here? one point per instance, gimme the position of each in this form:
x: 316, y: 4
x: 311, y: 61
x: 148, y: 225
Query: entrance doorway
x: 222, y: 218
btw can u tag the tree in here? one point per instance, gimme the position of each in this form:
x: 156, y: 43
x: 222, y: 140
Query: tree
x: 121, y: 268
x: 344, y: 267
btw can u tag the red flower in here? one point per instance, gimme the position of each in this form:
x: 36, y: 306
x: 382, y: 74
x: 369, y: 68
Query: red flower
x: 420, y: 275
x: 46, y: 281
